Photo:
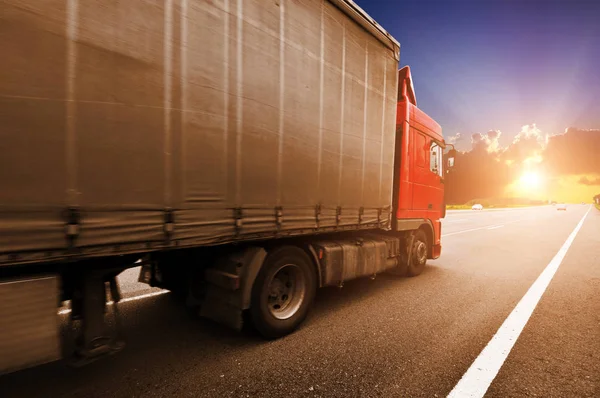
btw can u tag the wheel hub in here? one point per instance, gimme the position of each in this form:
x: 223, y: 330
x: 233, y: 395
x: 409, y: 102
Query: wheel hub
x: 286, y: 290
x: 420, y: 251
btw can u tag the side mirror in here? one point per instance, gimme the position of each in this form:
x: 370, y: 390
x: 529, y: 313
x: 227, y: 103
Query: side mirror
x: 451, y: 156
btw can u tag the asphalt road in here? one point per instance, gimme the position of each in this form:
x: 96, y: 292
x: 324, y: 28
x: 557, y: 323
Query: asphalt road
x: 391, y: 337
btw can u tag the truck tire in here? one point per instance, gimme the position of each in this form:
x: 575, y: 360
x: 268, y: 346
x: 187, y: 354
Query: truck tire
x: 283, y: 292
x: 419, y: 255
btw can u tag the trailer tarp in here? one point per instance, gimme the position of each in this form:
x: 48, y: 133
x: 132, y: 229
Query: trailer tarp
x: 132, y: 126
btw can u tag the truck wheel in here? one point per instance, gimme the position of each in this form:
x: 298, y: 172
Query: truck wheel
x: 419, y: 254
x: 283, y: 292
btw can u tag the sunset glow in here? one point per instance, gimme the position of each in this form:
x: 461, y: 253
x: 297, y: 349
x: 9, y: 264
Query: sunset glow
x: 530, y: 179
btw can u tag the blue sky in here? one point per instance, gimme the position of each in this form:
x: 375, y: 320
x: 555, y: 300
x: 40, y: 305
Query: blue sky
x: 498, y: 65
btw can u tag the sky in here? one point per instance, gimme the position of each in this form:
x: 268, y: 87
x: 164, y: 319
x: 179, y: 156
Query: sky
x: 506, y: 67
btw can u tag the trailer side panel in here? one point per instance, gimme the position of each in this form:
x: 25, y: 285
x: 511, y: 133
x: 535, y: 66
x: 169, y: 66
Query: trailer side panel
x: 135, y: 127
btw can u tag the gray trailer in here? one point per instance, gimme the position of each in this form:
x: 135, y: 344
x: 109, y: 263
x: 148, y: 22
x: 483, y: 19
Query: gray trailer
x: 241, y: 144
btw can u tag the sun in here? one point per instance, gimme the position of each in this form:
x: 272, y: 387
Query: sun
x: 530, y: 179
x: 532, y: 184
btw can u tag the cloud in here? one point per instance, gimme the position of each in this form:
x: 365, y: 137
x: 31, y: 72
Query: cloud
x: 486, y: 142
x: 527, y: 143
x: 576, y: 151
x: 478, y: 173
x: 477, y: 139
x: 529, y: 131
x: 453, y: 139
x: 586, y: 181
x: 494, y: 134
x: 492, y: 139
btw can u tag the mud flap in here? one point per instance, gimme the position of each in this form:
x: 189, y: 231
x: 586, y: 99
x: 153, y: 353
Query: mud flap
x: 229, y: 284
x: 404, y: 257
x: 410, y: 247
x: 95, y: 341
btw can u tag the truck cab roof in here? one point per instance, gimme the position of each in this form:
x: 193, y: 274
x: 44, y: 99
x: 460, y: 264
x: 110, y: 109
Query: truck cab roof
x: 417, y: 118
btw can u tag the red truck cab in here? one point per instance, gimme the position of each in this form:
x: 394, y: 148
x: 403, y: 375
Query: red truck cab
x: 419, y: 190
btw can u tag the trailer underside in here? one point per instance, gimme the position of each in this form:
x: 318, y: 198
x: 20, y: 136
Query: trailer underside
x: 219, y: 282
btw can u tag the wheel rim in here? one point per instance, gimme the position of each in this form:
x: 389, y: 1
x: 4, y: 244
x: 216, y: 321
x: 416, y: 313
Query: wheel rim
x: 420, y: 251
x: 286, y: 290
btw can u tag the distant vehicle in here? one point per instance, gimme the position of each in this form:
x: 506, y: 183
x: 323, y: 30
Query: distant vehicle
x: 582, y: 203
x: 561, y: 206
x: 477, y: 206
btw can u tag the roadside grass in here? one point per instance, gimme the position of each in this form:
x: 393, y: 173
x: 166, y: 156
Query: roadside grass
x: 468, y: 207
x: 458, y: 207
x: 497, y: 202
x: 597, y: 206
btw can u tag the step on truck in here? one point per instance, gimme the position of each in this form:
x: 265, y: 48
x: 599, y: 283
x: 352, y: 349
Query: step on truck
x: 243, y: 153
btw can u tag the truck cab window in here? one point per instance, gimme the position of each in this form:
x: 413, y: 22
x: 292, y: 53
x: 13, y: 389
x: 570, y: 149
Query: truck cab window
x: 435, y: 159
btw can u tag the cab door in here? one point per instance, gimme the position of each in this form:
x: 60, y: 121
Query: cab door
x: 420, y: 175
x: 427, y: 174
x: 435, y: 181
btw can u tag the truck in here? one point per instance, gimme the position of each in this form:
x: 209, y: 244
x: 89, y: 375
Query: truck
x: 242, y: 153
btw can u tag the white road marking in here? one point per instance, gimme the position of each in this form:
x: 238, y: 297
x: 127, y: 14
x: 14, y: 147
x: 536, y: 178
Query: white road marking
x: 478, y: 378
x: 479, y: 228
x: 125, y: 300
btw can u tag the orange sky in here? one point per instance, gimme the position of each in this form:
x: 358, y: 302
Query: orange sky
x: 561, y: 189
x: 560, y: 167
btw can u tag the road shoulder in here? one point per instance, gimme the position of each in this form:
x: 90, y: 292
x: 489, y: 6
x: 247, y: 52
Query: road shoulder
x: 558, y: 353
